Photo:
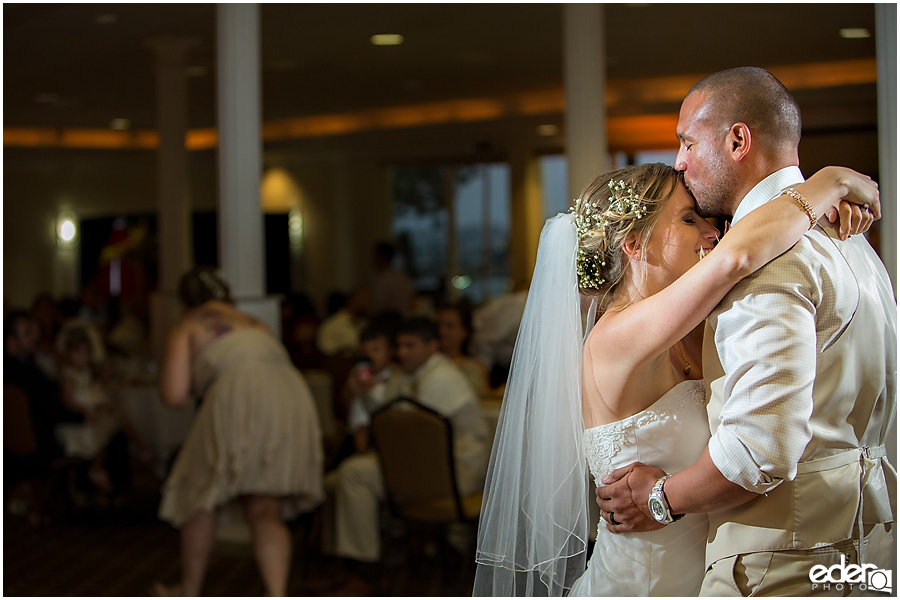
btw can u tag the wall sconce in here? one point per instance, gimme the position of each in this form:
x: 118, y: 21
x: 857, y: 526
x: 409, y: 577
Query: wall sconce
x: 295, y: 227
x: 66, y: 229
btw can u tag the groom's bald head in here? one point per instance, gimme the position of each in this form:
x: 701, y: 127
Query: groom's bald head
x: 753, y: 96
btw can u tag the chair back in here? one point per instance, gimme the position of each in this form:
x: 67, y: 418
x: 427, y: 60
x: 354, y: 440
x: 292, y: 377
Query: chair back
x: 415, y: 448
x: 18, y: 432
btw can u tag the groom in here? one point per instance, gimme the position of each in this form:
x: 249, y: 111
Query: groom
x: 801, y: 375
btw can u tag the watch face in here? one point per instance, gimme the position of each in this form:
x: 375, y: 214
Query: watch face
x: 657, y: 508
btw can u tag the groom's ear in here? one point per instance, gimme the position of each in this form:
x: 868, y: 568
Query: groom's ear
x: 632, y: 247
x: 738, y: 140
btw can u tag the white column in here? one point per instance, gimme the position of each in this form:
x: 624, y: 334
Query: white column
x: 886, y: 53
x: 241, y: 240
x: 527, y: 210
x: 173, y: 203
x: 587, y: 141
x: 584, y: 55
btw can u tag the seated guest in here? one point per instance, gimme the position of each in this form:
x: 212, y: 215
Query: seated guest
x: 83, y: 393
x: 339, y: 332
x: 299, y: 323
x: 129, y: 347
x: 74, y: 317
x: 367, y: 383
x: 20, y: 339
x: 433, y: 380
x: 455, y: 328
x: 49, y: 320
x: 496, y: 327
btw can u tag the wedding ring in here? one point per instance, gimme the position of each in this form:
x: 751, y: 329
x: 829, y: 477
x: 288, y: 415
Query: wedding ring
x: 612, y: 519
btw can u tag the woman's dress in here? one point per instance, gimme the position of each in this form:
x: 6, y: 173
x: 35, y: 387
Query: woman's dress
x: 670, y: 434
x: 86, y: 440
x: 256, y: 431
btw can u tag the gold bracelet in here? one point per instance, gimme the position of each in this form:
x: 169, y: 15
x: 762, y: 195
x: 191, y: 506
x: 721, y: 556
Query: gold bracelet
x: 813, y: 217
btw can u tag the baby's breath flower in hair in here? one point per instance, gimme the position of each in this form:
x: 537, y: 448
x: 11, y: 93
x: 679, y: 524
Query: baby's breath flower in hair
x: 612, y: 207
x: 624, y: 204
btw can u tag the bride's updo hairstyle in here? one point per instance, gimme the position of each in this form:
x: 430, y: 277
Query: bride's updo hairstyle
x: 202, y: 284
x: 611, y: 207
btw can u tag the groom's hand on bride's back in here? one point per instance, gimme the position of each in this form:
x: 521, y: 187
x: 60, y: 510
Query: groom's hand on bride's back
x: 625, y: 495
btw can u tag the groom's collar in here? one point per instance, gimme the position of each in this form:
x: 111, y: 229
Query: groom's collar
x: 767, y: 189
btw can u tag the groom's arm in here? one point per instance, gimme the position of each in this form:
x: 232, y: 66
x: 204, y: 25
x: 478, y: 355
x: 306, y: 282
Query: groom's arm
x: 767, y: 342
x: 699, y: 488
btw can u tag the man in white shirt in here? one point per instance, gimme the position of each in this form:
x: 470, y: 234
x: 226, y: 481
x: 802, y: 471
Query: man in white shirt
x: 495, y: 328
x: 801, y: 374
x: 339, y: 332
x: 432, y: 379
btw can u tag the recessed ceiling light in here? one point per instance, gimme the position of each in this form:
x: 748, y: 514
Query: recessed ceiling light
x: 387, y: 39
x: 547, y: 130
x: 106, y: 19
x: 120, y: 124
x: 855, y: 33
x: 46, y: 98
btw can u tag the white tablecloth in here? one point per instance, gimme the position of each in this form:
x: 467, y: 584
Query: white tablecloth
x: 162, y: 429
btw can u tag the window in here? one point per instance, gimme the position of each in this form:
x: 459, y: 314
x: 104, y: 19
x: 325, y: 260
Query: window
x: 451, y: 224
x: 554, y: 181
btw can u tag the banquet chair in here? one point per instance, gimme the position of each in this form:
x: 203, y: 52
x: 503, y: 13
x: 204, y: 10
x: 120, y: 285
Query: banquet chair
x: 20, y: 445
x: 415, y: 448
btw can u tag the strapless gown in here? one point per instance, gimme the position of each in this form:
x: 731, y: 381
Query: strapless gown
x: 670, y: 434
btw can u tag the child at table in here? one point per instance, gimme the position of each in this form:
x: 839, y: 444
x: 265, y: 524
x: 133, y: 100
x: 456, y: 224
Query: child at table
x: 367, y: 381
x: 83, y: 393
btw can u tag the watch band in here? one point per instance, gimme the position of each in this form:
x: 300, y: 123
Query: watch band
x: 669, y: 504
x: 659, y: 505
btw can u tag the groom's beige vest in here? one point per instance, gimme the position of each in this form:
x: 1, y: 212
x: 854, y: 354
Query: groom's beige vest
x: 843, y: 478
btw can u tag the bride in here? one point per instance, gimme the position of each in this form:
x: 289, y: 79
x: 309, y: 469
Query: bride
x: 631, y: 388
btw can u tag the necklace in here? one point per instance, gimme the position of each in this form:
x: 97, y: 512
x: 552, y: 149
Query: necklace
x: 679, y: 348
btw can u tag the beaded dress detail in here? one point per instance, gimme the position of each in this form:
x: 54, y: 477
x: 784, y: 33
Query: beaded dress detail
x: 669, y: 434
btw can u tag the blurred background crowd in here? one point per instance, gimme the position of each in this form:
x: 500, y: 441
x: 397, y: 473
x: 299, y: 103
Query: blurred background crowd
x: 90, y: 411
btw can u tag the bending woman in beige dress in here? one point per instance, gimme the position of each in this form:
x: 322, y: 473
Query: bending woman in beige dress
x: 255, y: 439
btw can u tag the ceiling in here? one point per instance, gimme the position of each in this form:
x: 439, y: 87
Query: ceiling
x: 65, y: 68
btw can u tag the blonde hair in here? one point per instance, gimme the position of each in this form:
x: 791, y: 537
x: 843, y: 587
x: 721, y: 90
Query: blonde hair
x: 611, y: 207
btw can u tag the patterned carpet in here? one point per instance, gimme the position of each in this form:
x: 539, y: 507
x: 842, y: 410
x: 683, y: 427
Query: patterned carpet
x: 121, y: 550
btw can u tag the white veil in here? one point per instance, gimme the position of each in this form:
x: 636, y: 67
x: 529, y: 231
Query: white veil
x: 533, y: 529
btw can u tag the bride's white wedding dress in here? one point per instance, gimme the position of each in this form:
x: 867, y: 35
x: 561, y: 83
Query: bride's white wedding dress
x: 670, y: 434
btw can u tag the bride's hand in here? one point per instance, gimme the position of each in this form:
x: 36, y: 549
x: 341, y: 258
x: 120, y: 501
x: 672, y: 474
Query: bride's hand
x: 850, y: 219
x: 859, y: 204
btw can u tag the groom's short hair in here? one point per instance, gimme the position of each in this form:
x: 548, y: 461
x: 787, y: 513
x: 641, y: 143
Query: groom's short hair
x: 756, y: 97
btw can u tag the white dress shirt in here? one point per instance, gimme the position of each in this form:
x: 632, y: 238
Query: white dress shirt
x: 338, y: 333
x: 441, y: 386
x: 807, y: 347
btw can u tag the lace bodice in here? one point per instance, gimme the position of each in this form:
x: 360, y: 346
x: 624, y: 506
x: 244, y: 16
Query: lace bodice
x: 669, y: 434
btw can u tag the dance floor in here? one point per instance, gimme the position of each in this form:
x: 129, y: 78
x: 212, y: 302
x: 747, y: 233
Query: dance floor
x: 122, y: 550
